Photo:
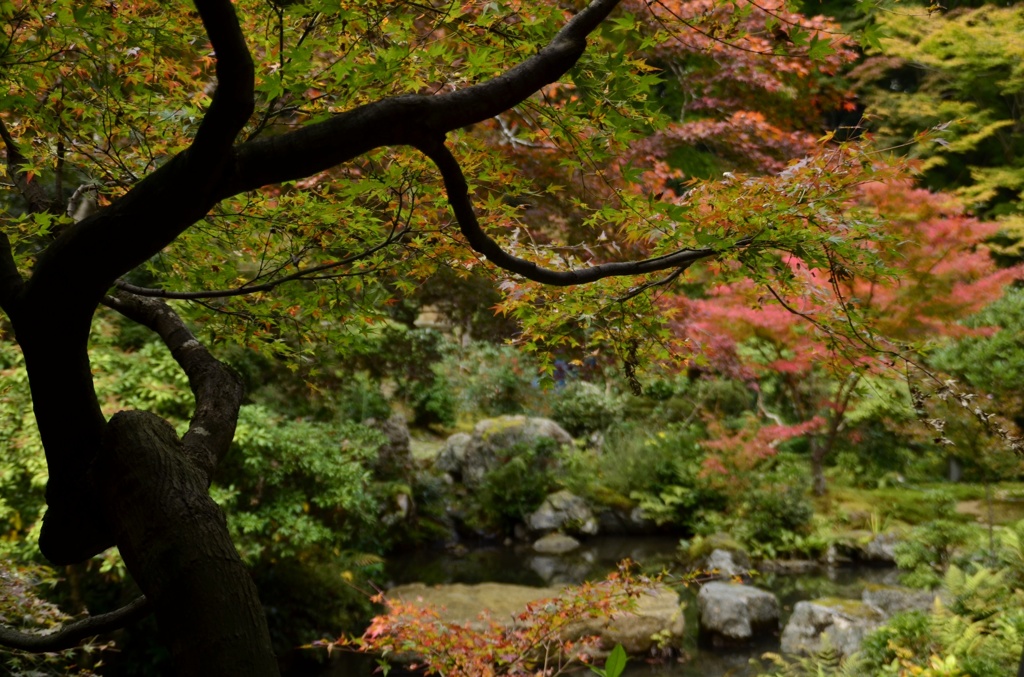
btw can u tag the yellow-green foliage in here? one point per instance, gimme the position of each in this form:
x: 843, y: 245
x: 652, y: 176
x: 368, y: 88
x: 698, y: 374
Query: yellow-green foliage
x: 975, y: 628
x: 960, y: 71
x: 827, y: 662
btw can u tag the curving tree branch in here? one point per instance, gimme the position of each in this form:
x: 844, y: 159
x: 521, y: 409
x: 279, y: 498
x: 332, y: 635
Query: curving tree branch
x: 411, y: 119
x: 233, y: 101
x: 98, y: 250
x: 217, y: 389
x: 70, y: 634
x: 248, y: 288
x: 31, y: 190
x: 462, y: 205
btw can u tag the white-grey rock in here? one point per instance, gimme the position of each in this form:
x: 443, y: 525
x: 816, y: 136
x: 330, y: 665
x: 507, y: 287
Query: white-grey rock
x: 734, y: 615
x: 724, y: 563
x: 846, y: 621
x: 563, y: 511
x: 555, y: 544
x: 453, y: 455
x: 881, y: 548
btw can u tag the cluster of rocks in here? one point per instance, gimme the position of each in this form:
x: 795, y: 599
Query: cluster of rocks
x: 730, y: 615
x: 467, y: 458
x: 735, y: 614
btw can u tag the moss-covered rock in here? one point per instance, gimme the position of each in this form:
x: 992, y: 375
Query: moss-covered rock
x: 656, y: 622
x: 735, y: 615
x: 845, y: 621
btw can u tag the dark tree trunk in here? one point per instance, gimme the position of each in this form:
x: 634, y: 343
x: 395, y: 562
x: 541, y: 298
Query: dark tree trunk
x: 175, y: 542
x: 818, y: 483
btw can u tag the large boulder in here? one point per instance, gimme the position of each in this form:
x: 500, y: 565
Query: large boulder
x: 563, y: 511
x: 845, y: 621
x: 656, y: 622
x: 866, y: 547
x: 735, y: 615
x: 453, y: 455
x: 893, y: 599
x: 492, y: 443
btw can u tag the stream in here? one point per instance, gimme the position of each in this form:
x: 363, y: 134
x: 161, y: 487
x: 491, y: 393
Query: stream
x: 519, y: 564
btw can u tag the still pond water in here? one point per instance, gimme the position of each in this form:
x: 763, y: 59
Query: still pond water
x: 521, y: 566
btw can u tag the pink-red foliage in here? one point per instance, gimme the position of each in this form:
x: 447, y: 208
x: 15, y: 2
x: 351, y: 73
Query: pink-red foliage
x: 540, y: 641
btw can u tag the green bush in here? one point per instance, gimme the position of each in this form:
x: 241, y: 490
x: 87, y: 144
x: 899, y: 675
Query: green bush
x: 292, y: 487
x: 583, y: 408
x: 433, y: 401
x: 491, y: 380
x: 908, y: 631
x: 413, y: 360
x: 632, y: 458
x: 771, y: 514
x: 662, y: 473
x: 359, y: 398
x: 929, y: 548
x: 513, y: 490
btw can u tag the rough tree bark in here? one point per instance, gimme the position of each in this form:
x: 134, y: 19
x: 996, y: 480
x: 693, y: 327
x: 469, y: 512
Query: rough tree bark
x: 175, y: 542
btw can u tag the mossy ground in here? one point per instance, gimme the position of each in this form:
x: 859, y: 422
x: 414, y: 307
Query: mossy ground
x: 890, y: 507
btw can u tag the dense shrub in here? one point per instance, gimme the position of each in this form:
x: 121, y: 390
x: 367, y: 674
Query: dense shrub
x: 290, y: 486
x: 662, y: 472
x: 433, y: 401
x: 513, y: 490
x: 909, y: 631
x: 491, y: 380
x: 634, y: 458
x: 583, y: 408
x: 929, y: 548
x: 359, y: 398
x: 771, y: 511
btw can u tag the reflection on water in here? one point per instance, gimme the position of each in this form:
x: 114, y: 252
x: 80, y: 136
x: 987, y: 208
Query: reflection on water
x: 518, y: 564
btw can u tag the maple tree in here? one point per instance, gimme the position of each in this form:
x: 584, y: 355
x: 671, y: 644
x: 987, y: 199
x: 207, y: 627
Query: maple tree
x: 280, y: 171
x: 947, y: 274
x: 958, y: 70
